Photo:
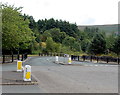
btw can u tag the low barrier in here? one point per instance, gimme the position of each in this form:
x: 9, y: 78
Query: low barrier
x: 107, y: 59
x: 52, y: 54
x: 96, y: 58
x: 12, y: 58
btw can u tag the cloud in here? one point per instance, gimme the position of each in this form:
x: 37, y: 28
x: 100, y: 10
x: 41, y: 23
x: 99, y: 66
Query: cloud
x: 79, y: 11
x: 89, y: 21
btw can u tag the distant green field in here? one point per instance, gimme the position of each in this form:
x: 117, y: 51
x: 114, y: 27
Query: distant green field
x: 106, y: 28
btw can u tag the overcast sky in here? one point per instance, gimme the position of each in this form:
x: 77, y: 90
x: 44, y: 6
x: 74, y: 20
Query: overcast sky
x: 81, y: 12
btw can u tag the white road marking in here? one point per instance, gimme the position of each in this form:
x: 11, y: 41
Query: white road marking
x: 101, y: 65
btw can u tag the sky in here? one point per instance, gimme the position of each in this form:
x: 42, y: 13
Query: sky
x: 81, y: 12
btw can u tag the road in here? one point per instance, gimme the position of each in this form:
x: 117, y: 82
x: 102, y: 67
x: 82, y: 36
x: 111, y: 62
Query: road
x: 54, y: 78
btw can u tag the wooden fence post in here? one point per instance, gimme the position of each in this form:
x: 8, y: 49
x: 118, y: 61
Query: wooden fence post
x: 118, y: 60
x: 18, y: 56
x: 12, y: 57
x: 91, y: 58
x: 78, y: 58
x: 107, y: 59
x: 22, y: 57
x: 83, y: 58
x: 97, y: 59
x: 3, y: 59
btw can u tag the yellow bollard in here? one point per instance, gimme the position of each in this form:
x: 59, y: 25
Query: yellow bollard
x: 69, y: 60
x: 27, y: 73
x: 19, y: 66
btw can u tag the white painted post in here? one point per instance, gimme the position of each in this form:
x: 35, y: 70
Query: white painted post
x: 69, y: 60
x: 19, y: 66
x: 27, y: 73
x: 56, y: 58
x: 67, y: 55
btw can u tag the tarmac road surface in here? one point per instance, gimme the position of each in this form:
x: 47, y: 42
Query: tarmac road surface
x: 55, y: 78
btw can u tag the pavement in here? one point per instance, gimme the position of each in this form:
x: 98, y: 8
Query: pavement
x: 12, y: 77
x: 16, y: 78
x: 16, y: 88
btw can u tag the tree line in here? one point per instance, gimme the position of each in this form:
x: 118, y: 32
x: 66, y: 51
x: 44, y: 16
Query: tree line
x: 21, y: 33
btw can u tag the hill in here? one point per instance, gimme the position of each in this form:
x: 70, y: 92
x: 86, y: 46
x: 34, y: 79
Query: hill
x: 106, y: 28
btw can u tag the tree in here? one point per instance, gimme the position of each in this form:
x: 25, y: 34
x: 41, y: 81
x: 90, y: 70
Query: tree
x: 116, y: 46
x: 98, y: 45
x: 91, y: 31
x: 33, y: 26
x: 57, y: 47
x: 62, y: 36
x: 84, y: 44
x: 49, y: 45
x: 0, y: 30
x: 69, y: 29
x: 16, y: 32
x: 32, y: 23
x: 69, y: 41
x: 76, y: 46
x: 55, y: 33
x: 83, y: 40
x: 45, y: 35
x: 110, y: 40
